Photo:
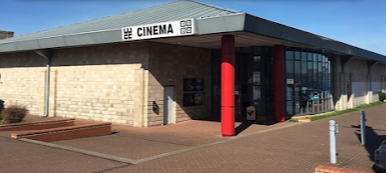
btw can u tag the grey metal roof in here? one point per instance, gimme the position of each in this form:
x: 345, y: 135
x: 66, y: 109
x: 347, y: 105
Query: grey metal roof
x: 167, y: 12
x: 210, y: 20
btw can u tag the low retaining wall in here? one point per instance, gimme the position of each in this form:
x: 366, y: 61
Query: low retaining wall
x: 66, y: 133
x: 333, y: 169
x: 38, y: 125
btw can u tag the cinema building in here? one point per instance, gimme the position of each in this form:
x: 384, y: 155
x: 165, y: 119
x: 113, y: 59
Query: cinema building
x: 185, y: 60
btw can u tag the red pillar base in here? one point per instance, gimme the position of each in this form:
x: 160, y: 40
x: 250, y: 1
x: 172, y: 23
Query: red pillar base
x: 228, y: 122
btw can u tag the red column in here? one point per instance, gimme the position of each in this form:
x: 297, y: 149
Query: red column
x: 278, y: 83
x: 227, y: 85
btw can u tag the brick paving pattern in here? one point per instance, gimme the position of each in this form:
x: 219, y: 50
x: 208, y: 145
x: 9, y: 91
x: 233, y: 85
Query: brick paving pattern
x: 17, y: 156
x: 296, y: 149
x: 299, y: 148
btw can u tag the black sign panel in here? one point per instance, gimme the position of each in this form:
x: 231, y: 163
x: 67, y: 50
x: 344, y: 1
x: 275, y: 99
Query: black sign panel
x: 194, y: 91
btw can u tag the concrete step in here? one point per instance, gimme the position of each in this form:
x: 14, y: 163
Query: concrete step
x: 38, y: 125
x: 66, y: 133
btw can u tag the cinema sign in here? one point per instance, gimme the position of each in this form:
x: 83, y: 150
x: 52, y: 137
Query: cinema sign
x: 158, y: 30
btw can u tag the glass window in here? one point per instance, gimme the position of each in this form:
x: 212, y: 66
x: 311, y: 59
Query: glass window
x: 290, y: 110
x: 310, y: 74
x: 304, y: 68
x: 304, y: 56
x: 297, y: 92
x: 297, y: 55
x: 320, y: 75
x: 290, y: 92
x: 308, y: 83
x: 289, y: 67
x: 297, y: 70
x: 315, y: 71
x: 289, y: 55
x: 309, y: 55
x: 297, y: 107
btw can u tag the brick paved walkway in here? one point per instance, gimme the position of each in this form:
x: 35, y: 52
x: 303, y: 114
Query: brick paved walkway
x: 299, y: 148
x: 18, y: 156
x: 140, y: 143
x: 296, y: 149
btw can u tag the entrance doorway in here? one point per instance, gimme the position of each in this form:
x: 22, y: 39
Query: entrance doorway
x: 168, y: 105
x: 253, y: 82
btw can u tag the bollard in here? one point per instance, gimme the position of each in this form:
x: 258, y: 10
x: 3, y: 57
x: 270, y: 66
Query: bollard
x: 333, y: 130
x: 363, y: 127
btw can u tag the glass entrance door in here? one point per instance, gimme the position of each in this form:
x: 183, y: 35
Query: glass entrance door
x: 253, y: 82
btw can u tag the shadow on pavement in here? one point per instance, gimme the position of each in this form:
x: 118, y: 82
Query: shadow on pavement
x: 245, y: 124
x: 373, y: 140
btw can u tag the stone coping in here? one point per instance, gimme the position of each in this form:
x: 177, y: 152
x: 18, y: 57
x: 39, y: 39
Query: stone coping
x: 58, y: 130
x: 35, y: 123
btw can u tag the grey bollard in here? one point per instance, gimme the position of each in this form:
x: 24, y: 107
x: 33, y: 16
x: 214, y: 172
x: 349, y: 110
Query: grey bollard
x: 333, y: 130
x: 363, y: 127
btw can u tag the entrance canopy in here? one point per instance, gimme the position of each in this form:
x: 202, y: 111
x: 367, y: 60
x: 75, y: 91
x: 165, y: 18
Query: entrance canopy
x: 210, y: 23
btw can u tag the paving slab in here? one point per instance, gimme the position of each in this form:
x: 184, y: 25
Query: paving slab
x: 295, y: 149
x: 281, y: 147
x: 191, y: 133
x: 126, y: 147
x: 18, y: 156
x: 141, y: 143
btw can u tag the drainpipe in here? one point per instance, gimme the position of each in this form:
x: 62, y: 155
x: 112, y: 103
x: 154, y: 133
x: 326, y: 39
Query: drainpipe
x: 47, y: 54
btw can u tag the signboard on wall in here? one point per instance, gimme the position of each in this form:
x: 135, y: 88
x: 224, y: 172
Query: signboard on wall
x: 194, y: 94
x: 158, y: 30
x: 290, y: 81
x: 251, y: 113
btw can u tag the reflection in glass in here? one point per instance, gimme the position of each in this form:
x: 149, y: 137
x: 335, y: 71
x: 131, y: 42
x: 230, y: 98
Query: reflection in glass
x: 308, y: 83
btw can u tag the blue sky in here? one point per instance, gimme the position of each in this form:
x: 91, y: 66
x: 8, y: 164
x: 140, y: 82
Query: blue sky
x: 361, y: 23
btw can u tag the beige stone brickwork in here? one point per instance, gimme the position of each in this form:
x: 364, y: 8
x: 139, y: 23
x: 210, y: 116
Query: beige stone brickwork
x: 97, y: 92
x: 103, y: 83
x: 356, y: 86
x: 168, y: 66
x: 22, y: 80
x: 115, y: 83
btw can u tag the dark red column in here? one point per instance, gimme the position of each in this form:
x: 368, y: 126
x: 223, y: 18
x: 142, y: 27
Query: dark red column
x: 278, y: 83
x: 227, y: 85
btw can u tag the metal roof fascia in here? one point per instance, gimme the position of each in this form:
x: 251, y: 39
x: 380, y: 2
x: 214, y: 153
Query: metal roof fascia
x: 268, y: 28
x: 219, y: 24
x: 81, y: 39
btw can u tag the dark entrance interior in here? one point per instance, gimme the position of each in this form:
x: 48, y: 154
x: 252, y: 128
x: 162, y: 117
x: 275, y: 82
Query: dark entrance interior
x: 253, y: 82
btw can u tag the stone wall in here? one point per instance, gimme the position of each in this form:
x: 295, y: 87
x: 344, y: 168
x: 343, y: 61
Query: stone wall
x: 168, y: 66
x: 116, y: 83
x: 357, y: 72
x: 22, y: 80
x: 377, y: 80
x: 355, y: 86
x: 103, y: 83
